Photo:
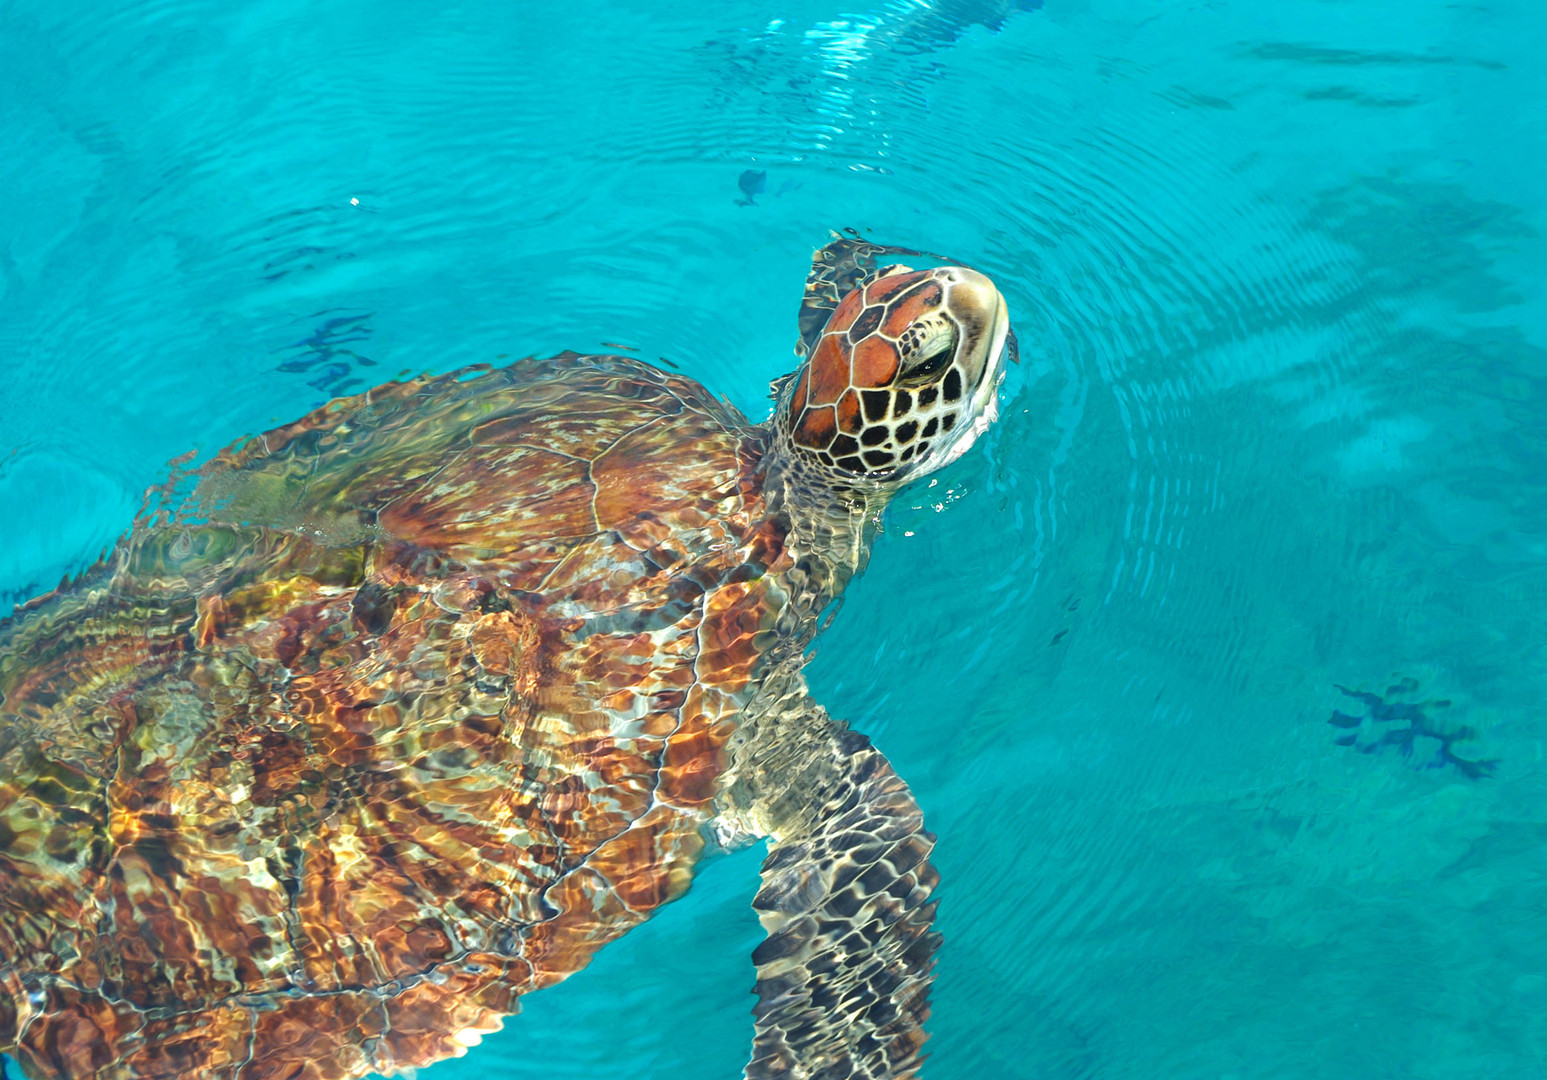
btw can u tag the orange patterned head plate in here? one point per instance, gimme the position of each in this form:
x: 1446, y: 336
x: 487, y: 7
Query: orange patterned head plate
x: 903, y: 377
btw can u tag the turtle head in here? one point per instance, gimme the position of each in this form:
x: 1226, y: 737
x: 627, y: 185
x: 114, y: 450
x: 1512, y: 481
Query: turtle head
x: 903, y: 377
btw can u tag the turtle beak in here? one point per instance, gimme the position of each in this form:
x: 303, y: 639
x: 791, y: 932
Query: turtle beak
x: 980, y: 310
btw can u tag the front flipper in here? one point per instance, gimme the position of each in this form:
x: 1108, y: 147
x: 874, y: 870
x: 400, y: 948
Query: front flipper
x: 843, y: 979
x: 845, y: 264
x: 837, y: 268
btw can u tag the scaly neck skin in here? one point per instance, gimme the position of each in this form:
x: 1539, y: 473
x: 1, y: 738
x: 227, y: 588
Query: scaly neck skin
x: 832, y: 520
x: 782, y: 757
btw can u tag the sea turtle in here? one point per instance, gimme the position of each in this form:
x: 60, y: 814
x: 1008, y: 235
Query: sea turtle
x: 411, y: 705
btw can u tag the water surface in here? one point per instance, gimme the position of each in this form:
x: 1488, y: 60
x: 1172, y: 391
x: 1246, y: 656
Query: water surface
x: 1218, y: 668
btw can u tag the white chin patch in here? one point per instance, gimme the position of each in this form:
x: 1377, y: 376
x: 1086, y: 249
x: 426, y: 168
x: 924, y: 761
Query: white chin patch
x: 964, y: 441
x: 986, y: 415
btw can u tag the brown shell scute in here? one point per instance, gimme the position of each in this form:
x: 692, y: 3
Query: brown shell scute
x: 432, y: 706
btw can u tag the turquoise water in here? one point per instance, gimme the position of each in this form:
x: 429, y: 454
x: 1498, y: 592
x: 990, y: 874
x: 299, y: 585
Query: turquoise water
x: 1218, y: 667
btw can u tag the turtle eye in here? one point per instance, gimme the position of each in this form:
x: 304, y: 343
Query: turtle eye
x: 926, y: 347
x: 927, y: 368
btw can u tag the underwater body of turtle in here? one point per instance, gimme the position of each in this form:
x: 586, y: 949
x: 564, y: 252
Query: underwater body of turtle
x: 413, y: 704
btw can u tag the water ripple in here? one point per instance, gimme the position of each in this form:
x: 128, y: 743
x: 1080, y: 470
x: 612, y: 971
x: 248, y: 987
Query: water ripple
x: 1277, y: 429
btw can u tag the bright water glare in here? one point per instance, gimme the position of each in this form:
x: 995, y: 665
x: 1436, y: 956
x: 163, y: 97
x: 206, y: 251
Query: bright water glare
x: 1218, y: 666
